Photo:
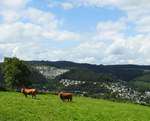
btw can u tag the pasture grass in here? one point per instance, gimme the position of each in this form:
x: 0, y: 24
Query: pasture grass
x: 15, y: 107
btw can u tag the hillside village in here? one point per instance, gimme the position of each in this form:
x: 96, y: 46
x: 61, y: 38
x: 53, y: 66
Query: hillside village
x: 118, y: 90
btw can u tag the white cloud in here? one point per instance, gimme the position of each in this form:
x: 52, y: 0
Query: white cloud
x: 13, y: 4
x: 11, y: 10
x: 128, y: 4
x: 143, y: 24
x: 110, y: 30
x: 67, y: 5
x: 28, y: 32
x: 41, y: 18
x: 10, y: 16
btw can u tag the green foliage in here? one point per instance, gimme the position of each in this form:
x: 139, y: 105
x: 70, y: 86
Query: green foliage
x: 87, y: 75
x: 16, y: 73
x: 37, y: 79
x: 15, y: 107
x: 122, y: 72
x: 145, y: 77
x: 141, y: 83
x: 54, y: 85
x: 1, y: 75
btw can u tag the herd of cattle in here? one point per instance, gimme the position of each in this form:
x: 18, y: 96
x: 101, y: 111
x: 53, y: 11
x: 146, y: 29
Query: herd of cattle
x: 63, y: 95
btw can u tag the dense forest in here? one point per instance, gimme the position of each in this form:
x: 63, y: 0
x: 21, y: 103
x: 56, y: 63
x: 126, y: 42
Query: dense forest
x: 122, y: 72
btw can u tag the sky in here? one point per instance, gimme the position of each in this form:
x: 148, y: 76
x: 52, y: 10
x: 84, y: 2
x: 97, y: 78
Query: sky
x: 84, y: 31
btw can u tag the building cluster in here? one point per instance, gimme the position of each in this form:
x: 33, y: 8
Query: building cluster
x: 68, y: 82
x: 120, y: 91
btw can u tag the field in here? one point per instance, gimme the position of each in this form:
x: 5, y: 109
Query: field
x: 15, y: 107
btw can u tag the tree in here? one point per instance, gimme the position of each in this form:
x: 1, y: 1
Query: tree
x: 16, y: 73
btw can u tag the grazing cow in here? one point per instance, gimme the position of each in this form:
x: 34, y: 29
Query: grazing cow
x: 27, y: 91
x: 66, y: 96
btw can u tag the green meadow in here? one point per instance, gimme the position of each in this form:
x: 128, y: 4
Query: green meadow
x: 15, y: 107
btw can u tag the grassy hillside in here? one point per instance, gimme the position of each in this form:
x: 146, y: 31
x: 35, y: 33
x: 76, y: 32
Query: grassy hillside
x: 15, y: 107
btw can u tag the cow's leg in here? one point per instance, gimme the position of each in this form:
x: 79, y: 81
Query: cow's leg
x: 33, y: 95
x: 70, y: 99
x: 64, y: 99
x: 25, y: 95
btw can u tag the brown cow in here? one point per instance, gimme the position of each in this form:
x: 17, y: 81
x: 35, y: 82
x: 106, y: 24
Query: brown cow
x: 66, y: 96
x: 27, y: 91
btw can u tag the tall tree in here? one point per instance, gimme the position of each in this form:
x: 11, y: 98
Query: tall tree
x: 16, y: 73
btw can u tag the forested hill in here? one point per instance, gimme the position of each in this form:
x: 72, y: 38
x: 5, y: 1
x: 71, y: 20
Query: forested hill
x: 127, y: 82
x: 122, y: 72
x: 90, y: 72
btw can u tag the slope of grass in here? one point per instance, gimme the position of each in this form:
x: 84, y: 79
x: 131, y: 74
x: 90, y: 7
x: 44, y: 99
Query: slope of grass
x: 15, y: 107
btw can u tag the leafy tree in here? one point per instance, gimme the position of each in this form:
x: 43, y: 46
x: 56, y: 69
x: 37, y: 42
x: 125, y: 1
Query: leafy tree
x: 16, y: 73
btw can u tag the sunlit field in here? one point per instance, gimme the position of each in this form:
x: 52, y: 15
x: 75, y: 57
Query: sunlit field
x: 15, y: 107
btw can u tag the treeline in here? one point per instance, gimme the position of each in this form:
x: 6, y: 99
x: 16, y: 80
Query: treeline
x: 122, y: 72
x: 15, y: 73
x: 87, y: 75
